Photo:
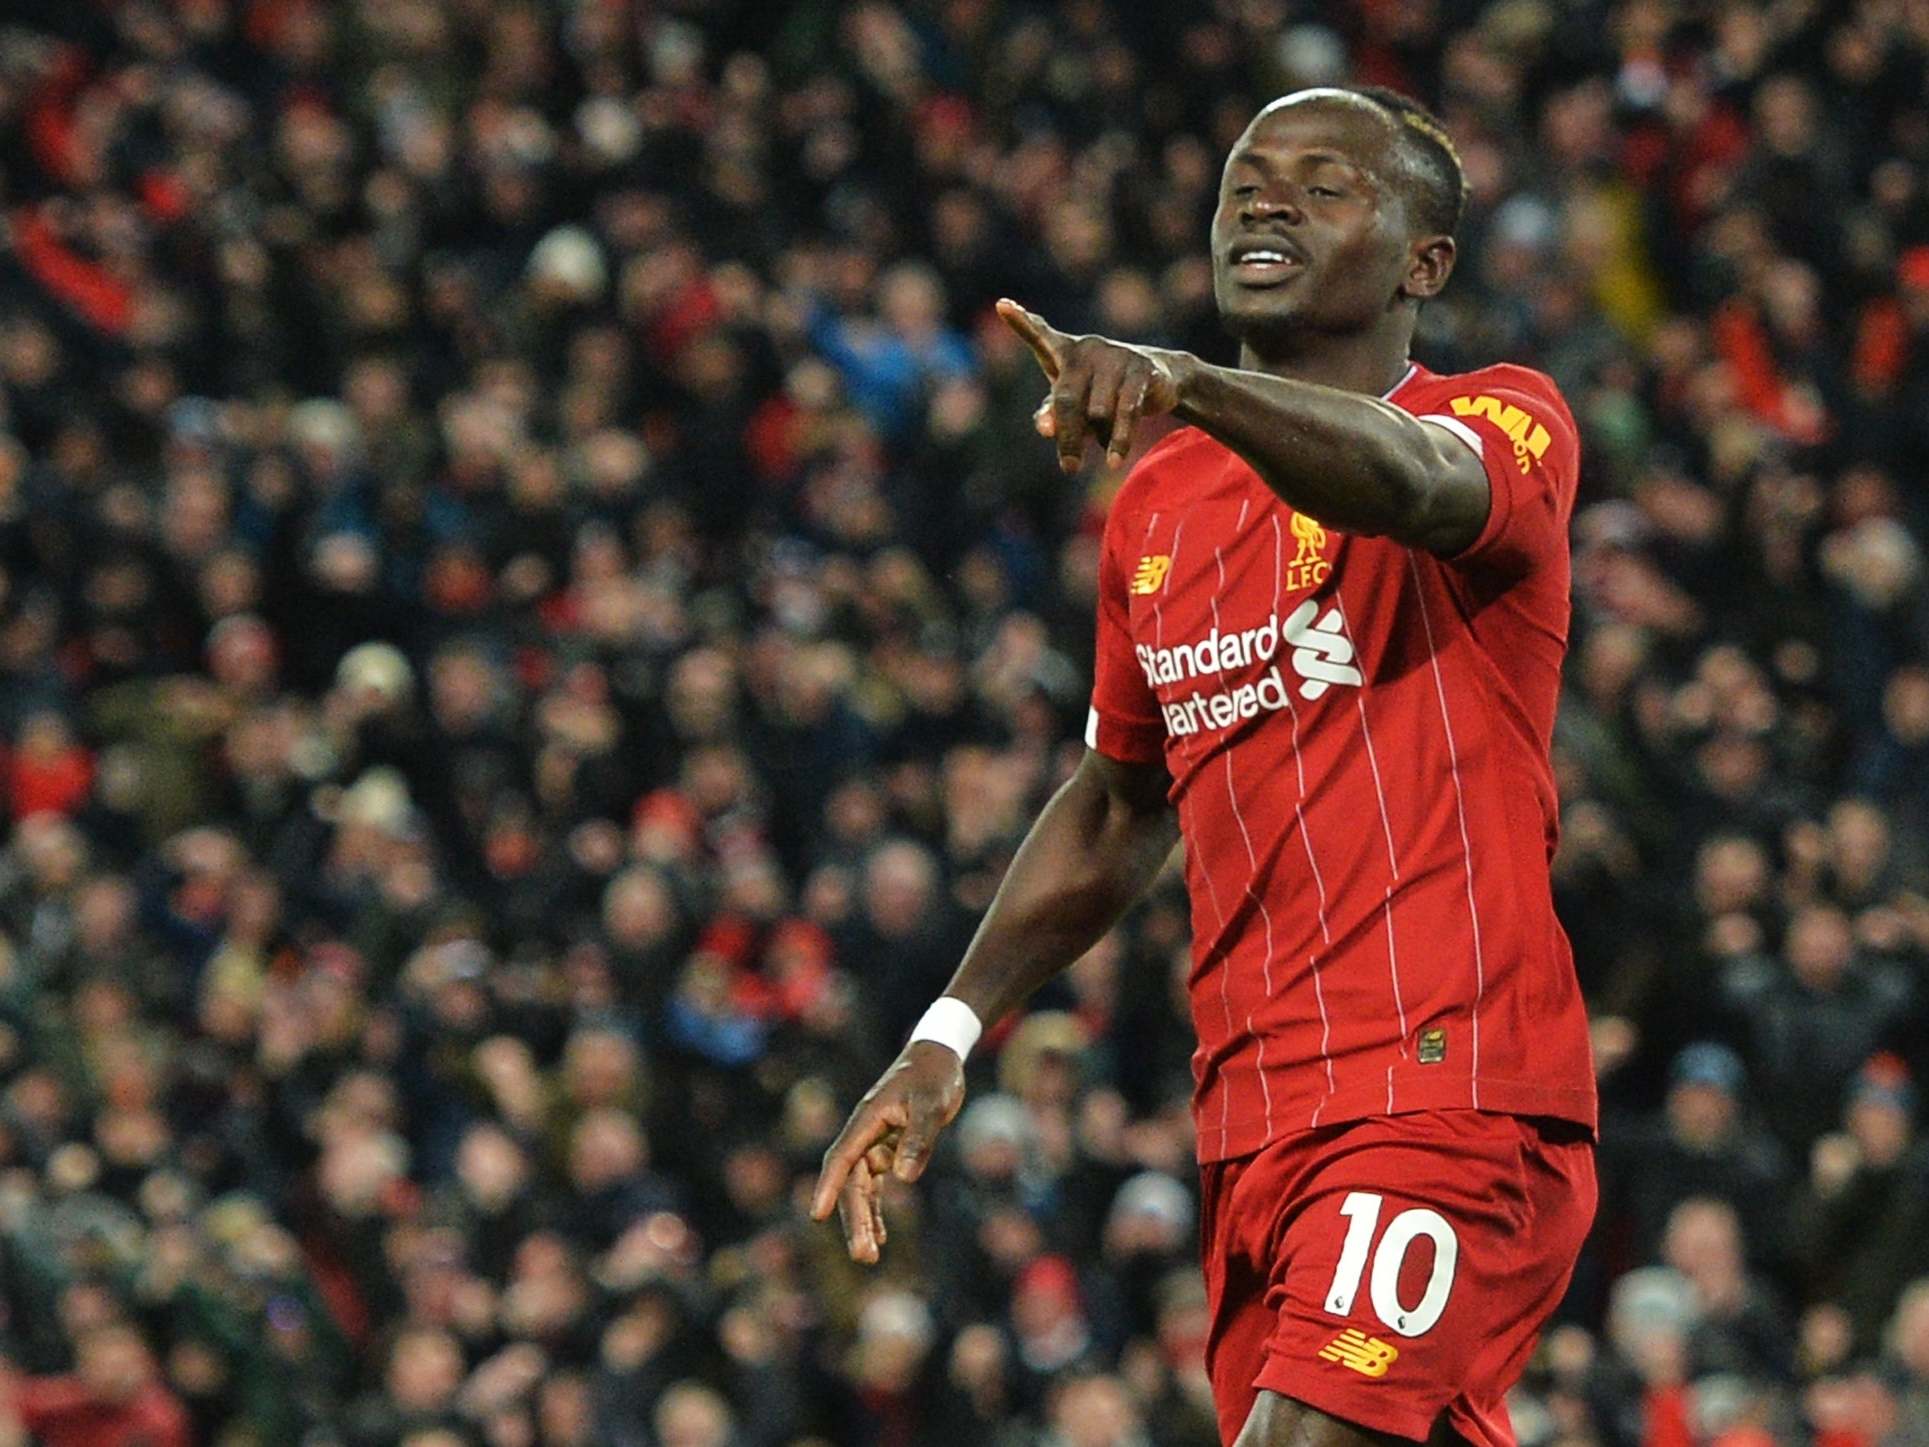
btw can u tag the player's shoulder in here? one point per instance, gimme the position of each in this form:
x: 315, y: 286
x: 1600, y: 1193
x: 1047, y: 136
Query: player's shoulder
x: 1505, y: 382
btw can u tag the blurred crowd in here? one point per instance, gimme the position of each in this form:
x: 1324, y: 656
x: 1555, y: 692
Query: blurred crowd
x: 532, y: 619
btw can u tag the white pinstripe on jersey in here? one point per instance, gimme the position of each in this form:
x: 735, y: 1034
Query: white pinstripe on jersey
x: 1299, y: 811
x: 1460, y: 806
x: 1392, y: 858
x: 1195, y: 856
x: 1232, y: 797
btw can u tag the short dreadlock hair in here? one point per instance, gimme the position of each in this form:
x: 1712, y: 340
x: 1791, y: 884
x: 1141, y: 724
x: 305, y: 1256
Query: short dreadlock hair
x: 1437, y: 183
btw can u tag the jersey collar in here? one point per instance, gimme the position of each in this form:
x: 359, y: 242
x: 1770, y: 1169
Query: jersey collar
x: 1405, y: 377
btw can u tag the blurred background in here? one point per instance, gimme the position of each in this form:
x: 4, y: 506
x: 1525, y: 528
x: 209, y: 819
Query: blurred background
x: 532, y: 619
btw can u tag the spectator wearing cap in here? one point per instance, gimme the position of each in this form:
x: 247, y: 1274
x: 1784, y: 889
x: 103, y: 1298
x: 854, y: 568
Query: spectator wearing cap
x: 985, y: 1207
x: 1148, y: 1234
x: 1701, y: 1143
x: 1636, y: 1387
x: 1048, y: 1319
x: 889, y: 1364
x: 1859, y: 1226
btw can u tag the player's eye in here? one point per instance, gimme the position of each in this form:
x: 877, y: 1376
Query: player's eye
x: 1323, y: 191
x: 1244, y: 193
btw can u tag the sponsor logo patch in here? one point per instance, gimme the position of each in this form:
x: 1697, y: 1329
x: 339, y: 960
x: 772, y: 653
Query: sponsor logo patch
x: 1433, y: 1046
x: 1530, y: 439
x: 1149, y: 576
x: 1358, y: 1352
x: 1317, y: 648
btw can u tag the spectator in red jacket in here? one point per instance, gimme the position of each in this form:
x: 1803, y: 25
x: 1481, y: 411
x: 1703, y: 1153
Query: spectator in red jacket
x: 114, y: 1397
x: 49, y: 771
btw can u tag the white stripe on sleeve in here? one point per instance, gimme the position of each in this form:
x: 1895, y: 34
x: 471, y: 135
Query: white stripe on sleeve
x: 1458, y: 428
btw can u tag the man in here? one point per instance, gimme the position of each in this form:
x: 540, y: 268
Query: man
x: 1332, y: 613
x: 114, y: 1397
x: 1701, y: 1143
x: 1859, y: 1230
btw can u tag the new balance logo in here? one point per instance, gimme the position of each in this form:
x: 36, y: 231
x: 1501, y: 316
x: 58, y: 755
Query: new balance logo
x: 1150, y: 573
x: 1358, y: 1352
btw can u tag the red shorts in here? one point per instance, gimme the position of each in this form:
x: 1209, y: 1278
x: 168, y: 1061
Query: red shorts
x: 1383, y: 1271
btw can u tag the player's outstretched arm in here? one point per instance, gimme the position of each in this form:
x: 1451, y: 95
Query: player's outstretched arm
x: 1093, y: 850
x: 1352, y: 461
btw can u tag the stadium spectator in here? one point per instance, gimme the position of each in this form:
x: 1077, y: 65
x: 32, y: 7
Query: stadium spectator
x: 113, y: 1398
x: 1699, y: 1146
x: 1855, y: 1225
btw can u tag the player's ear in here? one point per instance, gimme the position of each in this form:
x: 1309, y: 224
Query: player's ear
x: 1429, y: 263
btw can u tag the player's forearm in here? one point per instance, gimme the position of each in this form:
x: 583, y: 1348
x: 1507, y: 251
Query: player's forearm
x: 1091, y: 853
x: 1352, y: 461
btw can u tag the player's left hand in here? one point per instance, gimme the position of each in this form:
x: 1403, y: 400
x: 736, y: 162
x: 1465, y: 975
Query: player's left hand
x: 1100, y: 388
x: 890, y: 1133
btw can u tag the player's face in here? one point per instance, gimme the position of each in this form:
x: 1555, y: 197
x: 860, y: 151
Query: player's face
x: 1311, y: 233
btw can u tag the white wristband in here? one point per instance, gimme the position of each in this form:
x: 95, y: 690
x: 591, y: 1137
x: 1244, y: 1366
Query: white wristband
x: 950, y: 1023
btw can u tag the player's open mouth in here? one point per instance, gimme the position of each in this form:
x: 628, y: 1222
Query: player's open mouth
x: 1257, y: 264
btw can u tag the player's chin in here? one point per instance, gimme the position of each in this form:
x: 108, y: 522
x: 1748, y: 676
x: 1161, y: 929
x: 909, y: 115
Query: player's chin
x: 1251, y: 313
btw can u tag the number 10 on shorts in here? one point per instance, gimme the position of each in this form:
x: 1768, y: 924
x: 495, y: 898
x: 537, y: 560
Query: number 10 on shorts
x: 1362, y: 1212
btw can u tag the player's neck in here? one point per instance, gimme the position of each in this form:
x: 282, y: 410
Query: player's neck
x: 1371, y: 362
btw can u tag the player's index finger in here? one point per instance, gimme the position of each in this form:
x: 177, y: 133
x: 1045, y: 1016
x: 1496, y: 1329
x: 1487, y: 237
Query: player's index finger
x: 858, y: 1136
x: 1035, y: 331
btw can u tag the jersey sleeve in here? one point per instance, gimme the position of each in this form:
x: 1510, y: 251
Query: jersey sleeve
x: 1124, y: 722
x: 1526, y: 441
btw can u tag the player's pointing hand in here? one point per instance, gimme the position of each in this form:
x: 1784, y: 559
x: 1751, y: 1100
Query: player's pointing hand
x: 1100, y: 388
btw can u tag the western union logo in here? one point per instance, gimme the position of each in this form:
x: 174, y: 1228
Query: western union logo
x: 1530, y: 439
x: 1149, y: 576
x: 1355, y: 1350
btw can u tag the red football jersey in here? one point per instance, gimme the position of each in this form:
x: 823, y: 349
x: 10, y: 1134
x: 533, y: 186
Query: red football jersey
x: 1358, y: 737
